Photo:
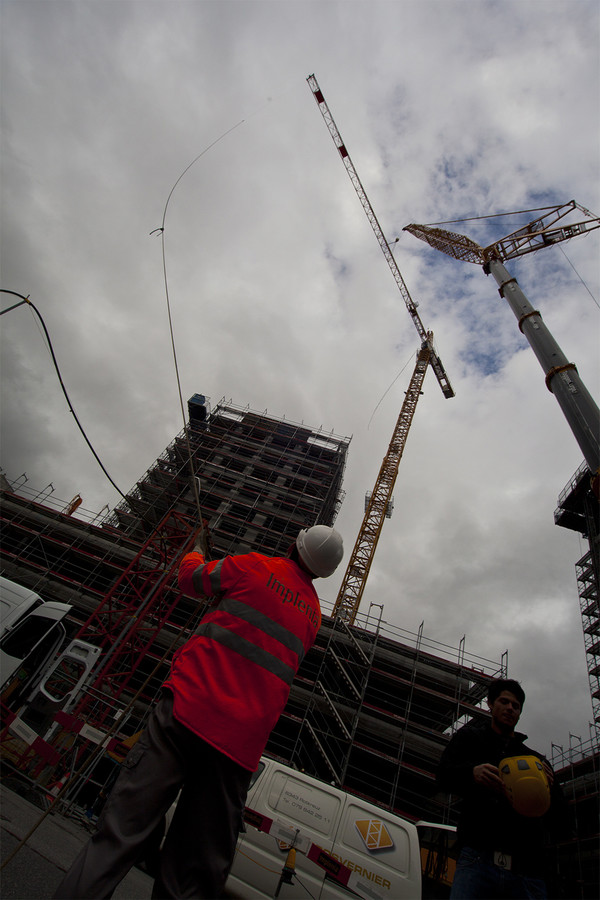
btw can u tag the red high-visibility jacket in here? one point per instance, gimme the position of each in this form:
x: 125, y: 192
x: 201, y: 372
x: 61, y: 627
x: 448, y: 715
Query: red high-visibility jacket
x: 231, y: 680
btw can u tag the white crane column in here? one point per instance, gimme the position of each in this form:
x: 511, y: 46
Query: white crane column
x: 562, y: 377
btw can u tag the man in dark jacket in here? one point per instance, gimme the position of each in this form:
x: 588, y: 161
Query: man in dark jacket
x: 502, y: 852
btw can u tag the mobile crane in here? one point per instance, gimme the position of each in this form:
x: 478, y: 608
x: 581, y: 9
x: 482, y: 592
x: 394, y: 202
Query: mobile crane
x: 361, y: 558
x: 562, y: 377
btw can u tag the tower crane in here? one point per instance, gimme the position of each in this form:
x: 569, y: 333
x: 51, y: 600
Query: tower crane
x: 359, y: 564
x: 435, y: 361
x: 361, y: 558
x: 562, y: 377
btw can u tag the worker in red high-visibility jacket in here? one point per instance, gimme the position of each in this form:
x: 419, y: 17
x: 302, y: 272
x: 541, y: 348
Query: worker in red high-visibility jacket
x: 227, y: 687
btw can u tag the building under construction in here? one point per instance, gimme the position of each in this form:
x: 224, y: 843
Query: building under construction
x: 578, y: 509
x: 261, y: 479
x: 579, y: 766
x: 371, y: 707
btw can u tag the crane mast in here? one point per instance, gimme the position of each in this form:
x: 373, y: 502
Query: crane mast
x: 359, y: 564
x: 435, y: 361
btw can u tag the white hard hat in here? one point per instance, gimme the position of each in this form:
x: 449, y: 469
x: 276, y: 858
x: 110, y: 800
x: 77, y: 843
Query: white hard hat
x: 321, y: 549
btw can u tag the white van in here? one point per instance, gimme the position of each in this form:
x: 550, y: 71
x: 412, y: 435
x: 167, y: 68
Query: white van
x: 31, y: 631
x: 31, y: 634
x: 366, y: 850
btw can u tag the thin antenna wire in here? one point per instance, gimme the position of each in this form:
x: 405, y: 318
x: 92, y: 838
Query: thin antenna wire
x: 164, y: 260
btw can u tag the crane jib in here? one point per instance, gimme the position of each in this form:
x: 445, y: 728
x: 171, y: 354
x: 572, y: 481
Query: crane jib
x: 435, y: 361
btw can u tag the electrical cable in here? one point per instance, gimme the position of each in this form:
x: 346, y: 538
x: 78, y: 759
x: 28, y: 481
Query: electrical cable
x: 62, y: 384
x: 256, y: 863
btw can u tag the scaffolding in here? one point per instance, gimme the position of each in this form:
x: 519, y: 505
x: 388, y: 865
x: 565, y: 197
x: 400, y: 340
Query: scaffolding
x: 371, y: 708
x: 578, y: 510
x: 262, y: 478
x: 577, y: 769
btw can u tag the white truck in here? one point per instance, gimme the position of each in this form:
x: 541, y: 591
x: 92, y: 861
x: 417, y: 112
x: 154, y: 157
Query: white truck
x: 343, y: 844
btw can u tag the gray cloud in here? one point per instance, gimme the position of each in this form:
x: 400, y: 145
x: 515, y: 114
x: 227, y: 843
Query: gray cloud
x: 280, y: 296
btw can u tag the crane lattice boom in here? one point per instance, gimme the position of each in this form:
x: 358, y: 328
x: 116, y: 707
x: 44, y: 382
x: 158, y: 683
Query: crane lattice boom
x: 539, y: 233
x: 435, y: 361
x: 359, y: 564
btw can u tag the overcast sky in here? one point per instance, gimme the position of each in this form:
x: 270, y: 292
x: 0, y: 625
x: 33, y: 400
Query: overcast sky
x: 280, y: 295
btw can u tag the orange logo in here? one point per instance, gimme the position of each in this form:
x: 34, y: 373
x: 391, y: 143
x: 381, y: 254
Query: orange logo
x: 374, y: 834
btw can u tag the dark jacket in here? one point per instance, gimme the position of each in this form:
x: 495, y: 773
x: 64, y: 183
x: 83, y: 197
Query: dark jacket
x: 487, y: 821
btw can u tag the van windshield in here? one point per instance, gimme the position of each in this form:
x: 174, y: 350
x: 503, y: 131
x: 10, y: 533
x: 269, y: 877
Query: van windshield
x: 24, y: 637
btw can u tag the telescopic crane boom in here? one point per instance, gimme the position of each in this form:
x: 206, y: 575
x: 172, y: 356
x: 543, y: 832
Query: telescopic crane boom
x: 361, y: 558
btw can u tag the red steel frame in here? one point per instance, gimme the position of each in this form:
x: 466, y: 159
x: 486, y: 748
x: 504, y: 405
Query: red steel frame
x: 127, y: 621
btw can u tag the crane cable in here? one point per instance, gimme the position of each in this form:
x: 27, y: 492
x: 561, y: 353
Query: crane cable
x: 516, y: 212
x: 389, y: 389
x: 578, y: 275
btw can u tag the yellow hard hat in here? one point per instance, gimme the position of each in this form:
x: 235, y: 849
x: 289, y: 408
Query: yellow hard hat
x: 526, y: 784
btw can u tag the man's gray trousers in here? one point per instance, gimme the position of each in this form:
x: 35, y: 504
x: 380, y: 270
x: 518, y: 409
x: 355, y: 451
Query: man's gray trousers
x: 198, y: 850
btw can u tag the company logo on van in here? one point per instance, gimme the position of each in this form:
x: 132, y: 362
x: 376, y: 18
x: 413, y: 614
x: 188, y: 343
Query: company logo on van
x: 374, y: 834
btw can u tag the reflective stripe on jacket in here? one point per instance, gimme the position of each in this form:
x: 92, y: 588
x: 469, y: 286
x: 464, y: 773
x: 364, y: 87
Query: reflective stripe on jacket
x: 231, y: 680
